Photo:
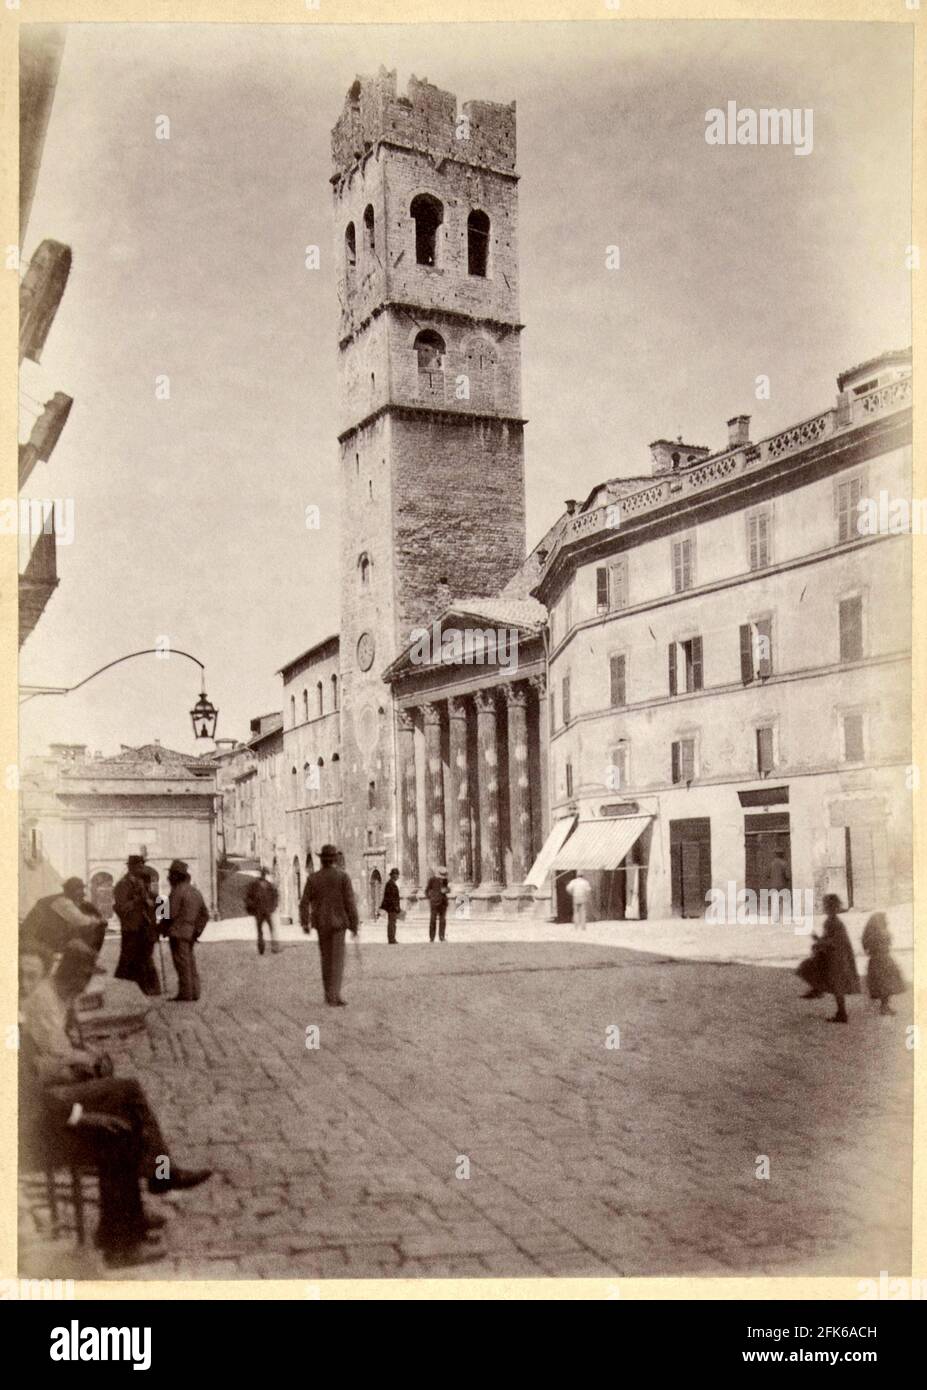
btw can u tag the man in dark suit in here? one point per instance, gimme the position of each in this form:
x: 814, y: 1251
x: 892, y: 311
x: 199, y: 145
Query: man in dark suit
x: 391, y: 905
x: 328, y: 905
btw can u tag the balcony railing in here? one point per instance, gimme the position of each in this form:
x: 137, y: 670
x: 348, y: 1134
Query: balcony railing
x: 744, y: 459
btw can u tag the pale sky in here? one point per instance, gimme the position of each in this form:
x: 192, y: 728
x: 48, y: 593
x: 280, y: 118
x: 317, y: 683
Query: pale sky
x: 189, y: 261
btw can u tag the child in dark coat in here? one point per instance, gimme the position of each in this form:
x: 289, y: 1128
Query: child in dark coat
x: 831, y: 967
x: 883, y: 977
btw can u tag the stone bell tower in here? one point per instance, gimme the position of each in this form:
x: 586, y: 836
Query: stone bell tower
x: 431, y: 434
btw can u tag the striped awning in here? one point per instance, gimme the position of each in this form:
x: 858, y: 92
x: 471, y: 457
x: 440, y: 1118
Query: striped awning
x: 601, y: 844
x: 544, y: 862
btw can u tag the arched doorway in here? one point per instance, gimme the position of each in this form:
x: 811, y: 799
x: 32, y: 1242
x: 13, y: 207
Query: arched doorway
x: 375, y: 893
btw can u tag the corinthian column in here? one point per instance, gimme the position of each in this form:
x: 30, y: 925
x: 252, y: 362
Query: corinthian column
x: 405, y: 741
x: 462, y: 855
x: 490, y: 843
x: 516, y: 700
x: 435, y: 850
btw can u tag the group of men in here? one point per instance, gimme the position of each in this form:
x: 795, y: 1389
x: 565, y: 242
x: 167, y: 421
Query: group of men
x: 144, y: 918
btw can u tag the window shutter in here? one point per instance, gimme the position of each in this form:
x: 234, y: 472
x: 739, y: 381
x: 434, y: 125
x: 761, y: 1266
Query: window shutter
x: 851, y: 628
x: 618, y: 585
x: 565, y: 700
x: 672, y: 668
x: 764, y: 633
x: 617, y: 665
x: 696, y: 663
x: 853, y: 738
x: 687, y: 759
x: 601, y: 590
x: 746, y: 653
x: 676, y: 776
x: 764, y: 750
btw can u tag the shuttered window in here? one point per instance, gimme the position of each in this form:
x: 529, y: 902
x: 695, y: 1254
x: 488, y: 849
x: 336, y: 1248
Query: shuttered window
x: 686, y: 670
x: 618, y: 584
x: 847, y: 493
x: 683, y: 576
x: 617, y: 669
x: 851, y: 628
x: 853, y: 738
x: 601, y: 590
x: 764, y: 751
x: 756, y: 657
x: 758, y: 529
x: 565, y: 699
x: 683, y: 760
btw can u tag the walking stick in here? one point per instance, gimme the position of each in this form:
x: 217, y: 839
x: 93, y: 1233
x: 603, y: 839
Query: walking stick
x: 161, y: 958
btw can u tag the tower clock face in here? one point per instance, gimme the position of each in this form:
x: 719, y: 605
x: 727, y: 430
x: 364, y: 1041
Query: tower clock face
x: 365, y: 651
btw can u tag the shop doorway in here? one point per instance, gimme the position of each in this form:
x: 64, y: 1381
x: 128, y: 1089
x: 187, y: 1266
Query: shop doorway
x: 690, y: 865
x: 764, y: 838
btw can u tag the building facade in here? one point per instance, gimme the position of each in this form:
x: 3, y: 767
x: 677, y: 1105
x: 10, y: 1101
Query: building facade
x: 729, y: 670
x: 84, y: 816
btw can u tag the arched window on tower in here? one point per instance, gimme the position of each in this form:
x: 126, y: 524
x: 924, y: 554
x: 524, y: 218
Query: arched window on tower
x: 429, y: 348
x: 370, y: 239
x: 350, y: 246
x: 477, y: 243
x: 318, y: 690
x: 305, y: 704
x: 292, y: 711
x: 334, y: 692
x: 363, y: 569
x: 428, y: 214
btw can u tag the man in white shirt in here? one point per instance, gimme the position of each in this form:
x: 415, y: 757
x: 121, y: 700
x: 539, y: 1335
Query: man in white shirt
x: 579, y: 889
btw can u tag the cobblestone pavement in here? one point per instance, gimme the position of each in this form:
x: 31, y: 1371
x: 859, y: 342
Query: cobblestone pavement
x: 584, y: 1159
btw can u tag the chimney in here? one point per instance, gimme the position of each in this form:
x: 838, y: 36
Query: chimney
x: 570, y: 505
x: 738, y: 431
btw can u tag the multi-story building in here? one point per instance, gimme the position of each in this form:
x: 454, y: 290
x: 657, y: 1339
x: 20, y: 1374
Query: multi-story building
x: 311, y: 765
x: 729, y: 664
x: 266, y: 744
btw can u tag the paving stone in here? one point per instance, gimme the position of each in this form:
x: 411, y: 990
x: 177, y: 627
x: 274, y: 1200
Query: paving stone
x: 342, y: 1163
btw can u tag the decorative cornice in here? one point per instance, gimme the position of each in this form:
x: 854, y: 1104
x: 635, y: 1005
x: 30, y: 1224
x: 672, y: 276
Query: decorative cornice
x: 428, y: 413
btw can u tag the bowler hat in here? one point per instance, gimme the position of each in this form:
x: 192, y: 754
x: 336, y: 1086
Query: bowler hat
x: 179, y: 867
x: 328, y: 854
x: 135, y: 861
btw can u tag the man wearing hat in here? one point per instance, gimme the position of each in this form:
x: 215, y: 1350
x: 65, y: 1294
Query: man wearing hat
x: 328, y: 905
x: 437, y: 892
x: 61, y: 917
x: 188, y: 917
x: 134, y: 906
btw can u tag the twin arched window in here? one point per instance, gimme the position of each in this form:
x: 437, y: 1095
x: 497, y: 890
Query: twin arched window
x: 350, y: 246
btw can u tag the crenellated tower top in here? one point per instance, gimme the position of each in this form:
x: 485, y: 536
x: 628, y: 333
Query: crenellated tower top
x: 424, y: 119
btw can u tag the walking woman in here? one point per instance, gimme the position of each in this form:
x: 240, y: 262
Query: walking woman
x: 883, y: 977
x: 839, y: 975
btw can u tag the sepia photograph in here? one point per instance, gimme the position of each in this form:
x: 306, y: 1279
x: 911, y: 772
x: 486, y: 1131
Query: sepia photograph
x: 466, y: 500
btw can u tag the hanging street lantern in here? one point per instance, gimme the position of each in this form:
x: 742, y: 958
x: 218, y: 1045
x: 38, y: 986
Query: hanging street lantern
x: 204, y: 716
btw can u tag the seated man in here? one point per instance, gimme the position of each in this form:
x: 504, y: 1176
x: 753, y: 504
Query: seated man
x: 62, y: 917
x: 65, y: 1087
